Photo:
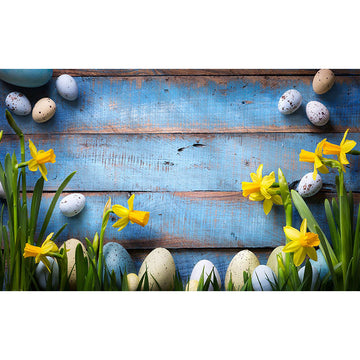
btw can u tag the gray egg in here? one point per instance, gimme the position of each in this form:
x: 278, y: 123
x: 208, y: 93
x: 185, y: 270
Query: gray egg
x: 315, y: 275
x: 18, y: 103
x: 67, y: 87
x: 42, y: 274
x: 72, y: 204
x: 308, y: 186
x: 262, y: 278
x: 289, y: 101
x: 317, y: 113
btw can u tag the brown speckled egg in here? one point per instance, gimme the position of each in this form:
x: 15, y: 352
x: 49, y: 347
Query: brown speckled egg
x: 244, y: 260
x: 323, y: 81
x: 161, y: 267
x: 317, y: 113
x: 71, y: 245
x: 43, y: 110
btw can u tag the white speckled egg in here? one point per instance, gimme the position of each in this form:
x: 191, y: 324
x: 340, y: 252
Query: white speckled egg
x: 207, y: 266
x: 71, y: 245
x: 67, y: 87
x: 18, y: 103
x: 308, y: 186
x: 43, y: 110
x: 262, y: 277
x: 72, y: 204
x: 133, y: 281
x: 244, y: 260
x: 317, y: 113
x: 323, y: 81
x: 2, y: 192
x: 315, y: 275
x: 42, y: 274
x: 192, y: 285
x: 161, y: 266
x: 290, y: 101
x: 272, y: 262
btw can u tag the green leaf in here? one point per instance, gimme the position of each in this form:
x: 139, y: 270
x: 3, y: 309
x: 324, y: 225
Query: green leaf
x: 81, y: 267
x: 335, y: 236
x: 35, y: 206
x: 52, y: 205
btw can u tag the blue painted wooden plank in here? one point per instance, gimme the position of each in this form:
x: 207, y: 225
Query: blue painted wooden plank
x: 189, y: 104
x: 184, y: 220
x: 177, y: 162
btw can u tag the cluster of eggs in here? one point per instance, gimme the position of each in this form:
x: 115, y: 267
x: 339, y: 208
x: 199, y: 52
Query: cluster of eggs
x: 45, y: 108
x: 316, y: 112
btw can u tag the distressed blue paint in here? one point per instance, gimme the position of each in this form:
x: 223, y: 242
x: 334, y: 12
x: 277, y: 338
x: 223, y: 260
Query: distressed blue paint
x: 177, y: 162
x: 189, y: 104
x: 183, y: 220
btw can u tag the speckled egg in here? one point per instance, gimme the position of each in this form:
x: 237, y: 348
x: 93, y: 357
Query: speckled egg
x: 72, y: 204
x: 117, y: 259
x: 308, y: 186
x: 18, y: 103
x: 42, y: 274
x: 192, y: 285
x: 315, y: 275
x: 323, y: 81
x: 26, y: 77
x: 2, y: 192
x: 262, y: 278
x: 43, y: 110
x: 133, y: 282
x: 320, y: 265
x: 161, y: 266
x: 272, y: 262
x: 244, y: 260
x: 67, y: 87
x: 290, y: 101
x: 317, y: 113
x: 71, y: 245
x: 206, y: 266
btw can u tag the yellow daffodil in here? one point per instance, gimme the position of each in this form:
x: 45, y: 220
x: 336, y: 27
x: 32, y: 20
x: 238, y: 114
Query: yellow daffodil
x: 39, y: 159
x: 302, y: 243
x: 315, y: 158
x: 39, y: 253
x: 259, y: 189
x: 340, y: 150
x: 126, y: 215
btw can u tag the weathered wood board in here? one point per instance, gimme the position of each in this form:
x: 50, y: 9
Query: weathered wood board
x: 183, y: 141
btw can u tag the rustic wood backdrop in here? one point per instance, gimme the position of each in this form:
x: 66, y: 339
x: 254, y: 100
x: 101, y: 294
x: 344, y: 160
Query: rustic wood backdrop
x: 183, y: 141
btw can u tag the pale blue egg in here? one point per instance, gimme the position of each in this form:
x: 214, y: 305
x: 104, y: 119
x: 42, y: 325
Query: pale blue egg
x: 320, y: 265
x: 42, y: 274
x: 26, y: 77
x: 315, y: 275
x: 118, y: 259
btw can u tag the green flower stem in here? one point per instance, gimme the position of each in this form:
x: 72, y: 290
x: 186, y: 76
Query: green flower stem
x: 23, y: 164
x: 275, y: 184
x: 354, y: 152
x: 55, y: 255
x: 16, y: 283
x: 286, y: 198
x: 101, y: 242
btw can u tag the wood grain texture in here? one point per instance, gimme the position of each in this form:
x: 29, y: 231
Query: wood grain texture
x: 189, y: 104
x: 177, y: 162
x: 185, y: 220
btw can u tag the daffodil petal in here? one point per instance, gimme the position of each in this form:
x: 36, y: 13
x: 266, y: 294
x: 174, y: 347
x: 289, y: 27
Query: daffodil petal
x: 33, y: 151
x: 292, y: 233
x: 33, y: 165
x: 344, y: 137
x: 311, y: 252
x: 257, y: 196
x: 120, y: 210
x: 249, y: 187
x: 276, y: 199
x: 259, y: 171
x: 299, y: 256
x: 121, y: 223
x: 306, y: 156
x: 303, y: 226
x: 265, y: 193
x: 291, y: 246
x: 343, y: 158
x: 43, y: 171
x: 268, y: 180
x: 131, y: 202
x: 348, y: 145
x: 254, y: 178
x: 267, y: 205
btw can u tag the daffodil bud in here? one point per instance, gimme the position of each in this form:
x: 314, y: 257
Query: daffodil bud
x: 95, y: 243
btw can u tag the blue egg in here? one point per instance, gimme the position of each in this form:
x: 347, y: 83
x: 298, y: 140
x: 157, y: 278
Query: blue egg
x: 26, y: 77
x: 320, y: 265
x: 119, y: 260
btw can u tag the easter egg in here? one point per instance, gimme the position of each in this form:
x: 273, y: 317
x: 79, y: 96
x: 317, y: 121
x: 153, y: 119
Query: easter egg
x: 308, y: 186
x: 2, y: 192
x: 71, y: 245
x: 42, y: 274
x: 323, y: 81
x: 117, y: 259
x: 315, y: 275
x: 18, y: 103
x: 160, y: 267
x: 72, y: 204
x: 272, y: 262
x: 320, y: 265
x: 67, y: 87
x: 43, y: 110
x: 317, y: 113
x: 133, y: 282
x: 206, y: 266
x: 192, y: 285
x: 244, y: 260
x: 289, y: 101
x: 26, y: 77
x: 262, y: 278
